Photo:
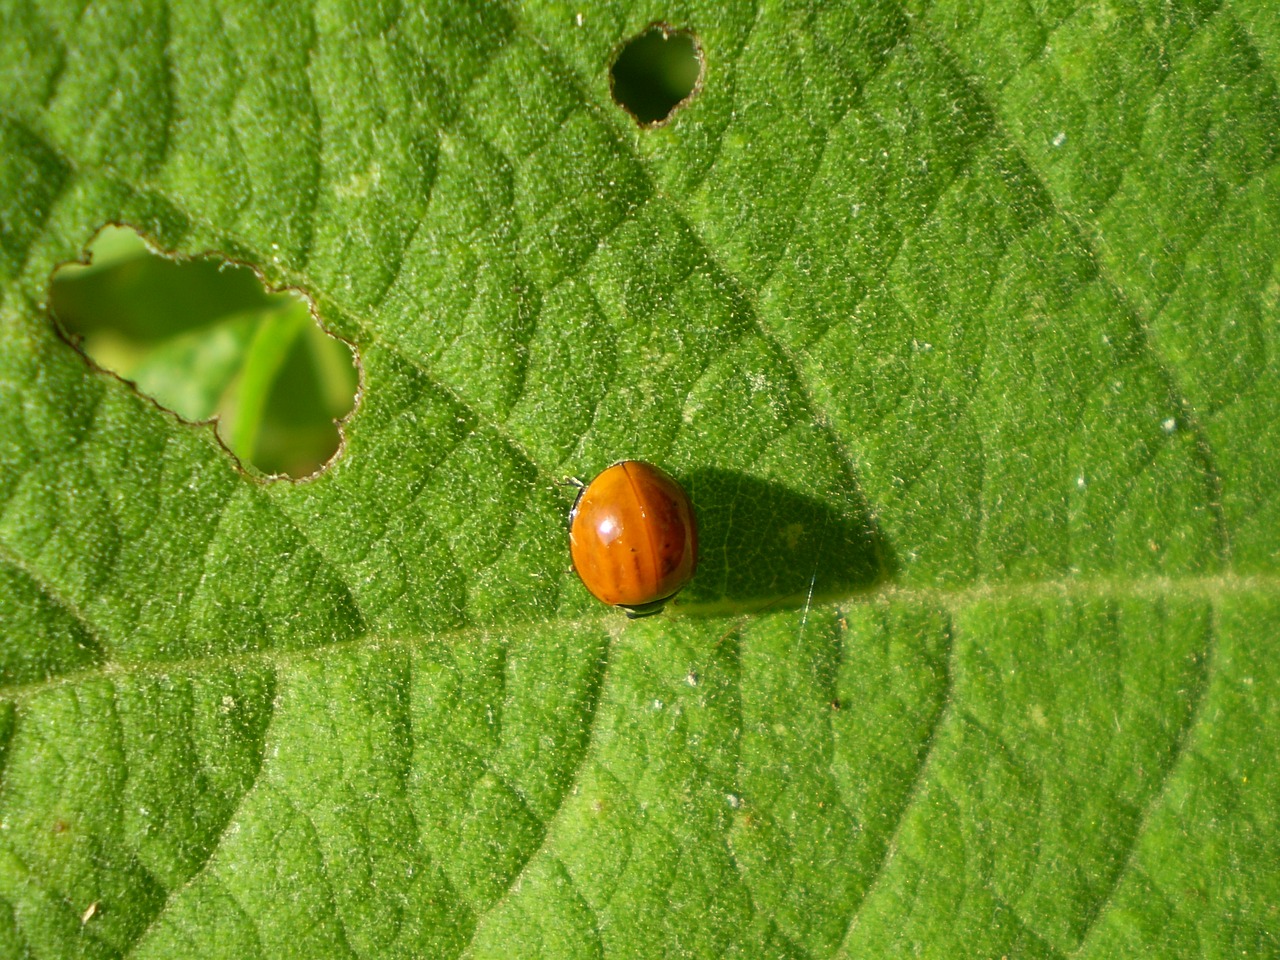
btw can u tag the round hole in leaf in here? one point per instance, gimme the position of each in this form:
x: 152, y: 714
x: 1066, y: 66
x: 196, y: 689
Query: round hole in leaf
x: 202, y: 338
x: 656, y: 72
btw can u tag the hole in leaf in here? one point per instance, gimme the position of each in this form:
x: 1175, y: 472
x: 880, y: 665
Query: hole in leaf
x: 656, y: 72
x: 203, y: 339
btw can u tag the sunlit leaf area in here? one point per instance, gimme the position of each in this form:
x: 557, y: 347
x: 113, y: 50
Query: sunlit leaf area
x: 958, y: 325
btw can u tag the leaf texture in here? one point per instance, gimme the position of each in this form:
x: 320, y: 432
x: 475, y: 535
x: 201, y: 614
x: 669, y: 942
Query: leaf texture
x: 959, y: 323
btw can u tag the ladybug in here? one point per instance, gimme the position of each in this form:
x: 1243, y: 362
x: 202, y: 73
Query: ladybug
x: 633, y: 537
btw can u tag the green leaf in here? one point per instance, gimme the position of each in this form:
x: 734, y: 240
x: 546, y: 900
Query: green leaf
x: 960, y: 324
x: 190, y: 372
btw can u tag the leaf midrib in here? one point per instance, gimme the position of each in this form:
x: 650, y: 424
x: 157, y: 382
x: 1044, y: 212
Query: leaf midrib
x: 951, y: 599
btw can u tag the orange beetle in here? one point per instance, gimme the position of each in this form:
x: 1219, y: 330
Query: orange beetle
x: 633, y: 537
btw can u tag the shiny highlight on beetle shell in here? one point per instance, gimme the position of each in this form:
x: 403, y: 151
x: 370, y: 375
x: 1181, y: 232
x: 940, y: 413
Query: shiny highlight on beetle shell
x: 633, y: 537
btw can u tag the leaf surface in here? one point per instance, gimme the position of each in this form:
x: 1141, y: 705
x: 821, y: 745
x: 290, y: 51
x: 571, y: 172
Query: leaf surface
x: 961, y: 329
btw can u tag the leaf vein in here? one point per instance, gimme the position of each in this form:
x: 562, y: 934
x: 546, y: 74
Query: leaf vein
x: 1180, y: 750
x: 914, y: 792
x: 593, y: 713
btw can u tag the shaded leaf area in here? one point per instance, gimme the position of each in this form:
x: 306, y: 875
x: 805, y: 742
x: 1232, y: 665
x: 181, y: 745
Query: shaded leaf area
x: 762, y: 541
x: 934, y: 322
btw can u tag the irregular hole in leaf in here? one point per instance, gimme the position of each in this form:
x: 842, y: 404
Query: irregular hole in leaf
x: 656, y: 72
x: 203, y: 339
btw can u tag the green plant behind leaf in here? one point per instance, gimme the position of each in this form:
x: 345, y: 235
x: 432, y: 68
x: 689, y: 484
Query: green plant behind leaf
x: 204, y: 340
